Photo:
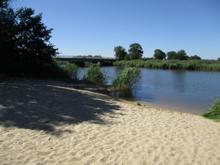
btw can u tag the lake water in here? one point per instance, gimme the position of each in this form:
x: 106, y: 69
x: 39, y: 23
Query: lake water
x: 187, y: 91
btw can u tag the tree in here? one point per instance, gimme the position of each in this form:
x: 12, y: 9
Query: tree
x: 7, y: 33
x: 159, y: 54
x: 195, y: 57
x: 182, y: 55
x: 24, y: 40
x: 218, y: 59
x: 33, y: 38
x: 120, y: 53
x: 135, y: 51
x: 4, y: 3
x: 171, y: 55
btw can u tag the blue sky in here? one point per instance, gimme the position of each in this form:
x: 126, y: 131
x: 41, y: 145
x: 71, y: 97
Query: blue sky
x: 97, y: 26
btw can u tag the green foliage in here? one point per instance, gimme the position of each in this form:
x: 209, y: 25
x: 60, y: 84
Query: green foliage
x: 159, y: 54
x: 24, y: 39
x: 214, y: 112
x: 195, y: 57
x: 70, y: 70
x: 180, y: 55
x: 135, y: 51
x: 120, y: 53
x: 3, y: 3
x: 206, y: 65
x: 171, y: 55
x: 126, y: 79
x: 94, y: 75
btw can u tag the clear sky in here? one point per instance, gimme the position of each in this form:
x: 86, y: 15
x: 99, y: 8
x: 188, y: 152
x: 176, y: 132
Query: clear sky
x: 83, y: 27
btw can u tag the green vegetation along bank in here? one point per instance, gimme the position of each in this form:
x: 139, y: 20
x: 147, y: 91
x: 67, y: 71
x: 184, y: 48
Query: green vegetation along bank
x: 126, y: 79
x: 204, y: 65
x: 214, y: 112
x: 94, y: 75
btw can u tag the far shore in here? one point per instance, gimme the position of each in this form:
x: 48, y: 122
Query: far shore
x: 53, y: 122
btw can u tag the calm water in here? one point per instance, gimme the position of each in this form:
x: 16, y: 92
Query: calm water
x: 177, y: 90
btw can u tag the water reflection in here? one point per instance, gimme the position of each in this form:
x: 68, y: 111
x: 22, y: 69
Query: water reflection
x: 179, y: 81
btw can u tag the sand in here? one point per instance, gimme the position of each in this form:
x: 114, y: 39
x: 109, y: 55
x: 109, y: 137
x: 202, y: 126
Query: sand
x: 37, y: 127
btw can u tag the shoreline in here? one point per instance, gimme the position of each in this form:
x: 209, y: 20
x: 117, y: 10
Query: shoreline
x: 54, y: 123
x: 82, y: 86
x: 103, y: 90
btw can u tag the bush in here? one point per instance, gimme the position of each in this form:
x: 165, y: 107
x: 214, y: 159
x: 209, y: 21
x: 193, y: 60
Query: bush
x: 94, y: 75
x: 214, y: 111
x: 126, y: 79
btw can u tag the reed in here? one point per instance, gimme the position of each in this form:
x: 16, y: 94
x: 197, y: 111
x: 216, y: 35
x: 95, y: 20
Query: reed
x: 94, y: 74
x: 126, y: 79
x: 68, y: 69
x: 205, y: 65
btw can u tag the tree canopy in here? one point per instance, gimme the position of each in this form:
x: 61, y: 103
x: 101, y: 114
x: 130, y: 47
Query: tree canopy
x: 195, y: 57
x: 171, y: 55
x: 159, y: 54
x: 180, y: 55
x: 120, y: 53
x: 135, y: 51
x: 24, y: 40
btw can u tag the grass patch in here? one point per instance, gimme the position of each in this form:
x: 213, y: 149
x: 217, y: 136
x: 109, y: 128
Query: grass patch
x: 214, y: 112
x: 126, y: 79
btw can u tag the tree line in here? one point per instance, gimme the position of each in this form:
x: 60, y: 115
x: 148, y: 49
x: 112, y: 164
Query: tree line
x: 135, y: 51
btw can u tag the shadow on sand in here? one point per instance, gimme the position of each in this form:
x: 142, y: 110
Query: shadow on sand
x: 40, y: 107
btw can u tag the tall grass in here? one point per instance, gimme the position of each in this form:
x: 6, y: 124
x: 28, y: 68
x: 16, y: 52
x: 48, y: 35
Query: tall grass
x: 94, y: 74
x: 205, y: 65
x: 214, y: 112
x: 68, y: 69
x: 126, y: 79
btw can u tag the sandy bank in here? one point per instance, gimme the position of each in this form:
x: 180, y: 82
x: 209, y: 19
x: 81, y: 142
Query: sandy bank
x: 53, y: 123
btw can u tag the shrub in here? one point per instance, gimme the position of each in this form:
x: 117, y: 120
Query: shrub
x: 126, y: 79
x: 94, y: 74
x: 214, y: 111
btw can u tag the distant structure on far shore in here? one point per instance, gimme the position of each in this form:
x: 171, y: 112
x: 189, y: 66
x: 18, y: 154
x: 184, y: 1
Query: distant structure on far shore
x: 82, y: 56
x: 83, y: 60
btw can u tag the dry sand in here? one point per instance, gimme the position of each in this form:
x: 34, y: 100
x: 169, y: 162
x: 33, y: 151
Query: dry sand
x: 37, y: 127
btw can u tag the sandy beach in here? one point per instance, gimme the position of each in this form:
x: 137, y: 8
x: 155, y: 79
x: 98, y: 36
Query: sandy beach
x: 54, y: 123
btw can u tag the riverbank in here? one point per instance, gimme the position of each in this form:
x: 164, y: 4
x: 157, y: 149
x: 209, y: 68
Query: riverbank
x: 196, y: 65
x: 51, y: 122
